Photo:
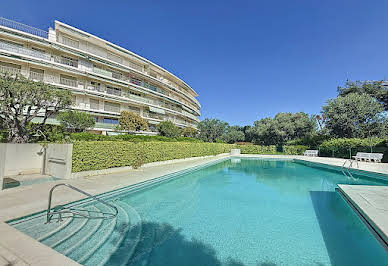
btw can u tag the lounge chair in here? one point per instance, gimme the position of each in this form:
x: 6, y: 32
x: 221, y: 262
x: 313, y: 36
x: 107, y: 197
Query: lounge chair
x: 369, y: 157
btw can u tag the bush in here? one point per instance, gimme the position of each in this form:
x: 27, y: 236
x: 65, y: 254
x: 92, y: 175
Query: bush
x: 168, y: 129
x: 257, y: 149
x: 132, y: 122
x: 96, y: 155
x: 190, y: 132
x: 344, y: 148
x: 87, y: 136
x: 76, y: 121
x: 294, y: 149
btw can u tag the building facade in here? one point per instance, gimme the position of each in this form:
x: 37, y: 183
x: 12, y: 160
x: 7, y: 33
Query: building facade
x: 104, y: 78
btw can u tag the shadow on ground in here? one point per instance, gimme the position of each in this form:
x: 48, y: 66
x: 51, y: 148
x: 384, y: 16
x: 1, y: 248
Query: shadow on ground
x: 162, y: 244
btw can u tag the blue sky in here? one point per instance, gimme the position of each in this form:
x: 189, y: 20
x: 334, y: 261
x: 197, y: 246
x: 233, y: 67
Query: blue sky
x: 246, y: 59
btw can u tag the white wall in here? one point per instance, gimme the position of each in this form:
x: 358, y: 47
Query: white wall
x: 59, y: 160
x: 18, y: 159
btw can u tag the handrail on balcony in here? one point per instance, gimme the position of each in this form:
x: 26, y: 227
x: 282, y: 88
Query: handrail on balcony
x: 22, y: 27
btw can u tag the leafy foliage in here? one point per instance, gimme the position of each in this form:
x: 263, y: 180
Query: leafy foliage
x: 234, y: 134
x: 87, y: 136
x: 257, y: 149
x: 168, y: 129
x: 375, y: 89
x: 96, y: 155
x: 190, y: 132
x: 355, y: 115
x: 22, y: 100
x: 282, y: 128
x: 132, y: 122
x: 344, y: 147
x: 211, y: 129
x: 76, y: 121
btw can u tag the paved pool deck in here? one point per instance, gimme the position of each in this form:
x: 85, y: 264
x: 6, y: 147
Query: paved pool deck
x: 20, y: 249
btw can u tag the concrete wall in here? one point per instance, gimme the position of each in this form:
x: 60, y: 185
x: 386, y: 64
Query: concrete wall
x: 59, y: 160
x: 16, y: 159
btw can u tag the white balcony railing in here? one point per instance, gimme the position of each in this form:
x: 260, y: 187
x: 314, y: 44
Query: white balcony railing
x: 69, y: 82
x: 22, y: 50
x: 10, y: 70
x: 25, y: 28
x: 36, y: 76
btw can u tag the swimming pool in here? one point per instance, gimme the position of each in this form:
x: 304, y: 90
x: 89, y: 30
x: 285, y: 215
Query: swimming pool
x: 234, y: 212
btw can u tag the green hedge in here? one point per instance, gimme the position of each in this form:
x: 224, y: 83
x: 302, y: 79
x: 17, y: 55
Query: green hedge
x: 257, y: 149
x: 294, y: 149
x: 96, y: 155
x: 87, y: 136
x: 343, y: 148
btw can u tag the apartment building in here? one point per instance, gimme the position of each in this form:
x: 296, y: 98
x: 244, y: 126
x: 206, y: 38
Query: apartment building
x: 104, y: 78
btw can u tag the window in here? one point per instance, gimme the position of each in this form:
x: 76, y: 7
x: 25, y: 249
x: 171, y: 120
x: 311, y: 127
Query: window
x: 68, y: 81
x: 70, y: 42
x: 115, y: 58
x: 113, y: 91
x: 68, y: 61
x: 111, y: 121
x: 112, y: 107
x: 36, y: 74
x: 94, y: 104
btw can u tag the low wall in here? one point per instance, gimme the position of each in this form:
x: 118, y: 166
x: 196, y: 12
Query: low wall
x: 16, y: 159
x: 59, y: 160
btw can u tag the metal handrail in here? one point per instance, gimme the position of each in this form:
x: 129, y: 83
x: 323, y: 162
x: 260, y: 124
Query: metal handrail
x: 348, y: 168
x: 75, y: 211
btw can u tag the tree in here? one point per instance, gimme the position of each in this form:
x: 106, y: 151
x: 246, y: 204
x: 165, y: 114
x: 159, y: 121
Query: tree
x: 168, y: 129
x: 22, y: 100
x: 375, y: 89
x: 190, y: 132
x: 234, y: 134
x: 211, y: 129
x: 282, y: 128
x: 132, y: 122
x: 355, y: 116
x: 76, y: 121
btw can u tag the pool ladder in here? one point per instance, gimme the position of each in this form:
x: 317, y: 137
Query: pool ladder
x: 345, y: 169
x: 60, y: 210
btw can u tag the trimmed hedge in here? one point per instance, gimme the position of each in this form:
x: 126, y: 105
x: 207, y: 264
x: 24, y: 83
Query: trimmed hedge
x: 87, y: 136
x: 294, y: 149
x: 257, y: 149
x: 97, y: 155
x: 343, y: 148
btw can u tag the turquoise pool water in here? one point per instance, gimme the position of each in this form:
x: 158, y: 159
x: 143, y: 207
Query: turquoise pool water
x: 235, y: 212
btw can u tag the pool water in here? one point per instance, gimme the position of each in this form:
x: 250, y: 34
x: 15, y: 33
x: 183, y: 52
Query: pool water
x: 235, y: 212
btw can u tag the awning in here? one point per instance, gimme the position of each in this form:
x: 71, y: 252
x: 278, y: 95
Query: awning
x: 157, y: 110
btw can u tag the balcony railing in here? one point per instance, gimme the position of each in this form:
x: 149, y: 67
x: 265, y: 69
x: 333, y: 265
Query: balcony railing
x: 105, y: 125
x: 113, y: 92
x: 36, y: 76
x: 66, y: 61
x: 69, y: 82
x: 22, y: 27
x: 25, y: 51
x: 10, y: 70
x: 110, y: 108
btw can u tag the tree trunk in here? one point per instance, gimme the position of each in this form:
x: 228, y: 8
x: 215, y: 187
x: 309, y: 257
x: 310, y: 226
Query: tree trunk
x: 18, y: 135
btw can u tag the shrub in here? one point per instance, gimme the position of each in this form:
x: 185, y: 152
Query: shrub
x: 76, y: 121
x: 294, y: 149
x: 344, y: 148
x: 190, y: 132
x: 87, y: 136
x: 96, y: 155
x: 168, y: 129
x: 132, y: 122
x: 257, y: 149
